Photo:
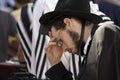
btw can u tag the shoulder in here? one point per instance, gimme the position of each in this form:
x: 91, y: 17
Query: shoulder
x: 107, y: 31
x: 25, y: 10
x: 5, y: 14
x: 108, y: 26
x: 26, y: 14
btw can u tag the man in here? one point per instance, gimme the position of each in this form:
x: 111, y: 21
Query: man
x: 25, y: 35
x: 72, y: 27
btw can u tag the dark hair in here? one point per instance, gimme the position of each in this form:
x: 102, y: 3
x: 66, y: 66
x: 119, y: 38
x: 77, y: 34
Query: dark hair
x: 59, y: 21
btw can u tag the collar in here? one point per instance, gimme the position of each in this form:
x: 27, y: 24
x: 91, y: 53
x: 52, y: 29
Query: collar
x: 86, y: 45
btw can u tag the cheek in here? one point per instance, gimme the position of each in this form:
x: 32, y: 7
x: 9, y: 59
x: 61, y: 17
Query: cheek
x: 67, y: 40
x: 64, y: 47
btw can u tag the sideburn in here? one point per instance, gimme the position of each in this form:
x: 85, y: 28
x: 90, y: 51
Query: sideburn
x: 75, y: 37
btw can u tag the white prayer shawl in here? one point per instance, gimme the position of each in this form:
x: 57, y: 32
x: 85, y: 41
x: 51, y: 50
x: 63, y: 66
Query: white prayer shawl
x: 33, y: 49
x: 23, y: 35
x: 40, y: 7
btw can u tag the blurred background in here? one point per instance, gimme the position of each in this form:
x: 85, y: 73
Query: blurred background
x: 7, y: 5
x: 10, y: 5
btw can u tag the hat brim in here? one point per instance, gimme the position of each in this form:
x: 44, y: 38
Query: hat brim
x: 47, y: 18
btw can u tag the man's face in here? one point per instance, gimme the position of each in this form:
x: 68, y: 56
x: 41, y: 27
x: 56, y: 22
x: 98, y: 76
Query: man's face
x: 66, y: 38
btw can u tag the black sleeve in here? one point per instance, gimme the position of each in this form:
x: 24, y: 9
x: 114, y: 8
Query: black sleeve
x: 59, y: 72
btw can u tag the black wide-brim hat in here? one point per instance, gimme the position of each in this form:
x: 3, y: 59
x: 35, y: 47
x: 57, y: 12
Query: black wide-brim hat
x: 79, y: 8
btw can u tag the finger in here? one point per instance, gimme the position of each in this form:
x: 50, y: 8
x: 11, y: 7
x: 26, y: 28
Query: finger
x: 49, y: 47
x: 50, y: 44
x: 50, y: 34
x: 53, y: 39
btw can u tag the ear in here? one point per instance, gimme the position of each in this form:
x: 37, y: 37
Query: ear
x: 68, y: 22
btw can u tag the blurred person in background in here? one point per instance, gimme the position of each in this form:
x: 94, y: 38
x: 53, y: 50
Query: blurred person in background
x: 16, y: 14
x: 19, y: 4
x: 32, y: 41
x: 7, y: 29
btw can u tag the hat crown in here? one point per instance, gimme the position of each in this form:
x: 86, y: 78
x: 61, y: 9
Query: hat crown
x: 76, y: 8
x: 73, y: 5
